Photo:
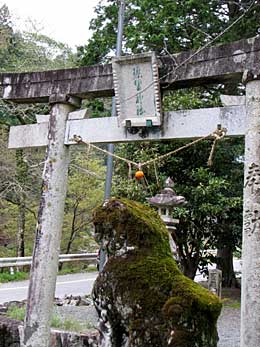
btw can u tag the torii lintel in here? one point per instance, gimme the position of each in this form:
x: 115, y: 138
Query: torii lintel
x: 217, y: 64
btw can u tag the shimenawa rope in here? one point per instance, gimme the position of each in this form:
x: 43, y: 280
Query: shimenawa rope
x: 218, y: 134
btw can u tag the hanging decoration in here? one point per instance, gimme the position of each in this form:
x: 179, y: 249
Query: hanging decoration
x: 218, y: 134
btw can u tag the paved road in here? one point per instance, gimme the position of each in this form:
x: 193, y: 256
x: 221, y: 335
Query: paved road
x: 76, y: 284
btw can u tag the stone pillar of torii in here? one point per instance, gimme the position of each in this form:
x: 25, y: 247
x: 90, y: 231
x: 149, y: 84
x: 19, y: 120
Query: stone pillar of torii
x: 250, y: 304
x: 64, y: 89
x: 41, y: 291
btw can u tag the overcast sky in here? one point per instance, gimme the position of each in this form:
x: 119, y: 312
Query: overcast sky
x: 65, y: 21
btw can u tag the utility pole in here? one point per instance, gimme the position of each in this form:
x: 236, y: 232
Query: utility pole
x: 121, y: 15
x: 110, y: 147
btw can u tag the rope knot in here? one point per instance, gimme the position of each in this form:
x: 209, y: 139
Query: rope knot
x: 77, y: 138
x: 218, y: 134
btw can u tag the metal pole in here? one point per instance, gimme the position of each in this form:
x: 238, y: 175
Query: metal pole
x: 121, y: 15
x: 110, y: 148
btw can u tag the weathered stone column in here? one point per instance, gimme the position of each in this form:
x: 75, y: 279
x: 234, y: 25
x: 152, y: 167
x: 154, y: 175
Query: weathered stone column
x: 250, y: 308
x: 36, y: 332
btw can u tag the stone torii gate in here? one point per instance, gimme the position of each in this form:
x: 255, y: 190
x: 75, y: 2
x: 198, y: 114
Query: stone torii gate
x: 64, y: 89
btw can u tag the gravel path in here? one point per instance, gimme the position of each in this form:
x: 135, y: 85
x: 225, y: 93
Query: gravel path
x: 229, y: 327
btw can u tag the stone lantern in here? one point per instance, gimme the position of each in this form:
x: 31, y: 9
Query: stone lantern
x: 165, y: 201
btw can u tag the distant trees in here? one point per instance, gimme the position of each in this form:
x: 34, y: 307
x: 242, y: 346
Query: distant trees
x: 85, y: 192
x: 21, y: 170
x: 30, y: 51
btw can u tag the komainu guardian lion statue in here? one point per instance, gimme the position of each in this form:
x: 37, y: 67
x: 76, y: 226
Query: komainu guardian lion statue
x: 141, y: 296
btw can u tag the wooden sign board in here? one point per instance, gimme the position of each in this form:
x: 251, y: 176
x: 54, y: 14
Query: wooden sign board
x: 137, y: 90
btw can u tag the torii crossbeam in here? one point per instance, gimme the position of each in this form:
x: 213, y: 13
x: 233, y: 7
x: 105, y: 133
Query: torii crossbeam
x: 64, y: 89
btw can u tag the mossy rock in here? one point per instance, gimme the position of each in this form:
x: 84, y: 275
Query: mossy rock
x: 141, y: 296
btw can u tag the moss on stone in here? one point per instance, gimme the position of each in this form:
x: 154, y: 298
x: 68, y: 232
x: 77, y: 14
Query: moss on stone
x: 138, y: 223
x: 167, y: 308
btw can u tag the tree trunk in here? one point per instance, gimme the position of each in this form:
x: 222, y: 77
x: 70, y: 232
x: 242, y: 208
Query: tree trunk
x: 21, y: 231
x: 225, y: 264
x: 189, y: 266
x: 73, y: 228
x: 22, y: 177
x: 72, y: 233
x: 233, y: 9
x: 190, y: 271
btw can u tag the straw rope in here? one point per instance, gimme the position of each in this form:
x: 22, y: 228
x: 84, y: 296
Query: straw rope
x: 218, y: 134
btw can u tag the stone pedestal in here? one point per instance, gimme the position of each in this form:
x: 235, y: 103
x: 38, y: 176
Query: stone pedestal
x: 215, y: 281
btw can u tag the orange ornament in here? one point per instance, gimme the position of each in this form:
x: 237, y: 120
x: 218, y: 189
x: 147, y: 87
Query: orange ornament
x: 139, y: 174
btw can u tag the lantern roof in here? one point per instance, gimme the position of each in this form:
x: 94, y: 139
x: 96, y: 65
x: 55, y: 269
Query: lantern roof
x: 167, y: 197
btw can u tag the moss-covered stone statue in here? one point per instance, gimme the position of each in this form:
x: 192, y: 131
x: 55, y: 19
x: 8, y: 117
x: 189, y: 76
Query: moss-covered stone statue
x: 141, y: 296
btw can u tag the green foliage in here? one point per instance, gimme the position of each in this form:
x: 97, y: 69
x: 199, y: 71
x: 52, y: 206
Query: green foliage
x: 15, y: 312
x: 235, y: 304
x: 212, y: 218
x: 57, y: 321
x: 178, y: 25
x: 29, y: 51
x: 85, y: 192
x: 202, y: 221
x: 231, y: 298
x: 186, y: 99
x: 124, y: 183
x: 130, y: 188
x: 69, y: 269
x: 100, y: 107
x: 69, y: 324
x: 17, y: 276
x: 21, y: 171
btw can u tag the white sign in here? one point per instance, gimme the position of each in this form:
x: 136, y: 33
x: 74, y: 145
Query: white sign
x: 137, y: 90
